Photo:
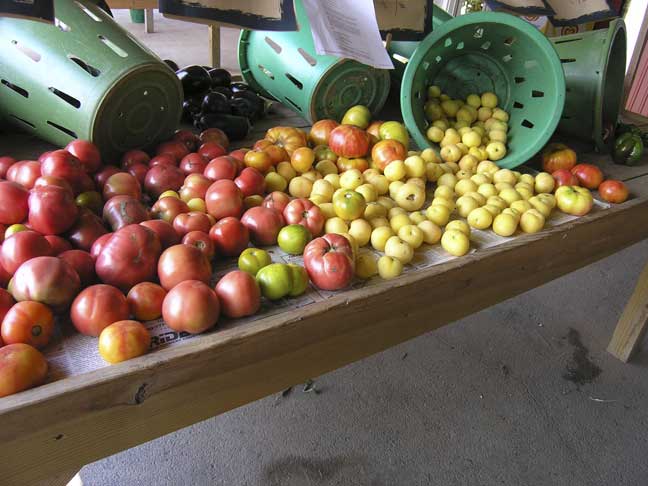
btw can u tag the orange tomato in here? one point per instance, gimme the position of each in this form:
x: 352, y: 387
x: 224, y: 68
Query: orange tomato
x: 320, y: 131
x: 344, y: 164
x: 258, y: 159
x: 21, y: 367
x: 123, y: 340
x: 302, y: 159
x: 145, y: 301
x: 277, y: 154
x: 28, y: 322
x: 289, y: 138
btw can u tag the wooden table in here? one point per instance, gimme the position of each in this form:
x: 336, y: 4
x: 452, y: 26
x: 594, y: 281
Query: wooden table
x: 50, y: 432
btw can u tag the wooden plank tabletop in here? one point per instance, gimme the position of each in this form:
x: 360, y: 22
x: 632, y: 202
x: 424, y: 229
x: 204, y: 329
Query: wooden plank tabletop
x: 71, y: 422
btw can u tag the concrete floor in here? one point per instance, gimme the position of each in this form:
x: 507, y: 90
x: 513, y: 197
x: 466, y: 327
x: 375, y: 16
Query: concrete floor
x: 502, y: 397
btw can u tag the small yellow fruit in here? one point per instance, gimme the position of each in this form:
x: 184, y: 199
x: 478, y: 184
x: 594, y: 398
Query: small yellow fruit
x: 497, y: 201
x: 474, y: 100
x: 417, y: 216
x: 433, y: 92
x: 300, y: 187
x: 498, y: 136
x: 513, y: 212
x: 197, y: 204
x: 433, y: 171
x: 544, y: 183
x: 450, y: 108
x: 548, y: 199
x: 480, y: 218
x: 446, y: 192
x: 435, y: 134
x: 523, y: 191
x: 521, y: 206
x: 398, y: 221
x: 471, y: 139
x: 448, y: 203
x: 395, y: 171
x: 494, y: 210
x: 532, y: 221
x: 464, y: 186
x: 379, y: 237
x: 326, y: 167
x: 399, y: 249
x: 366, y: 265
x: 487, y: 190
x: 500, y: 186
x: 505, y: 224
x: 449, y: 180
x: 323, y: 188
x: 431, y: 232
x: 351, y: 179
x: 361, y: 230
x: 429, y: 155
x: 544, y: 208
x: 378, y: 222
x: 375, y: 210
x: 501, y: 115
x: 465, y: 204
x: 510, y: 195
x: 318, y: 199
x: 412, y: 235
x: 275, y: 182
x: 389, y: 267
x: 336, y: 225
x: 442, y: 124
x: 527, y: 179
x: 489, y: 100
x: 455, y: 242
x: 459, y: 225
x: 481, y: 200
x: 395, y: 211
x: 410, y: 196
x: 334, y: 179
x: 480, y: 179
x: 438, y: 214
x: 484, y: 114
x: 468, y: 163
x: 451, y: 153
x: 394, y: 187
x: 368, y: 191
x: 464, y: 174
x: 327, y: 210
x: 169, y: 194
x: 387, y: 202
x: 414, y: 166
x: 496, y: 151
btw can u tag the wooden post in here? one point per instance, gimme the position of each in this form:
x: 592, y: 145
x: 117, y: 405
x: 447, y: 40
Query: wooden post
x: 214, y: 45
x: 633, y: 322
x: 149, y: 22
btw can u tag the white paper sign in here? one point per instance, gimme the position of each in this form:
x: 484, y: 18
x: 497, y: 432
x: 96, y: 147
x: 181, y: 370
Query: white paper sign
x: 348, y: 29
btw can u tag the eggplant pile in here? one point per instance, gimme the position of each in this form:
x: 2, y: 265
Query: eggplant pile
x: 212, y: 100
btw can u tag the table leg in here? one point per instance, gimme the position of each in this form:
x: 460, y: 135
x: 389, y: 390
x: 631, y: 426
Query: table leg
x: 633, y: 322
x: 149, y: 22
x: 214, y: 45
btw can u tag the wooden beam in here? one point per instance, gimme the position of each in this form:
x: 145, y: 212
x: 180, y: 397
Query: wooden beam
x: 78, y: 420
x: 132, y: 4
x: 149, y: 21
x: 633, y: 322
x: 214, y: 45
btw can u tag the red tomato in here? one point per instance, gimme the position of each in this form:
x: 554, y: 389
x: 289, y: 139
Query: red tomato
x: 5, y: 163
x: 195, y: 186
x: 30, y: 323
x: 557, y: 156
x: 162, y: 178
x: 239, y: 294
x: 188, y: 138
x: 349, y: 141
x: 239, y: 156
x: 329, y: 262
x: 183, y: 262
x: 61, y: 163
x: 134, y: 157
x: 5, y: 277
x: 102, y: 176
x: 193, y: 163
x: 87, y: 153
x: 174, y: 148
x: 168, y: 208
x: 613, y: 191
x: 374, y: 130
x: 86, y: 230
x: 58, y: 244
x: 211, y: 150
x: 24, y: 173
x: 250, y: 181
x: 564, y: 178
x: 230, y: 236
x: 52, y: 181
x: 46, y: 279
x: 139, y: 171
x: 6, y: 303
x: 83, y: 264
x: 163, y: 159
x: 98, y: 245
x: 52, y: 210
x: 263, y: 224
x: 145, y: 301
x: 277, y: 200
x: 387, y: 151
x: 23, y: 246
x: 224, y: 167
x: 223, y: 199
x: 320, y: 131
x: 191, y: 221
x: 122, y: 184
x: 123, y: 340
x: 13, y: 203
x: 167, y: 235
x: 200, y: 240
x: 21, y: 367
x: 304, y: 212
x: 588, y: 175
x: 191, y: 306
x: 215, y: 135
x: 121, y: 211
x: 129, y: 257
x: 97, y: 307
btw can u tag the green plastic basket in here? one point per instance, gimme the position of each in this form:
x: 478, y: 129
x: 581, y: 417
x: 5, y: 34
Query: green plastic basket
x: 284, y: 66
x: 594, y: 64
x: 496, y: 52
x: 85, y: 77
x: 402, y: 51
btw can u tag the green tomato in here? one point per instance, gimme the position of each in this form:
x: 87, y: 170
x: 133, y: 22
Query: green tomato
x: 293, y: 238
x: 91, y: 200
x: 251, y: 260
x: 299, y: 279
x: 392, y: 130
x: 14, y: 228
x: 358, y: 115
x: 275, y: 280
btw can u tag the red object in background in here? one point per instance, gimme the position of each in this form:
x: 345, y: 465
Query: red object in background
x: 230, y: 236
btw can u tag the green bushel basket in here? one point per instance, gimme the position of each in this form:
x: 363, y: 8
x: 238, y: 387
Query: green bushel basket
x: 284, y: 66
x: 495, y: 52
x: 402, y: 51
x: 85, y: 77
x: 594, y: 64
